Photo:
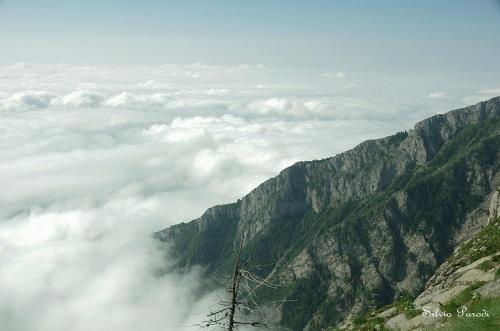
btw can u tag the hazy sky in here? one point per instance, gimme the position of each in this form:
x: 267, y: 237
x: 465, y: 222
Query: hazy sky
x: 355, y: 35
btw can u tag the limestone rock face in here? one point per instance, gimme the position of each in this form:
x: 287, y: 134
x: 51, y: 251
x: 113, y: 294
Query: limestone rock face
x: 362, y: 227
x: 472, y: 267
x: 494, y: 206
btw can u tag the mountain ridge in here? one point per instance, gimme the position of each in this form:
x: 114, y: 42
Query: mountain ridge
x: 348, y: 226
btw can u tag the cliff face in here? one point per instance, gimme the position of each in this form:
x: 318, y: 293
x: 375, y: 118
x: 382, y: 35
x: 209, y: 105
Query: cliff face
x: 469, y: 278
x: 358, y: 229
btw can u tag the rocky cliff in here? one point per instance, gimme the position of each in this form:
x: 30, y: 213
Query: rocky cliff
x: 355, y: 231
x: 467, y: 283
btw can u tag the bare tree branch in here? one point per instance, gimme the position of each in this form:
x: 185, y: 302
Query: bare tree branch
x: 241, y: 307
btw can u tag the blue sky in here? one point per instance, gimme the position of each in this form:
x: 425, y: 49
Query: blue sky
x: 354, y: 35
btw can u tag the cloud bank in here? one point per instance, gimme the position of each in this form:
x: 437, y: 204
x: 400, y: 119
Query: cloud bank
x: 95, y: 159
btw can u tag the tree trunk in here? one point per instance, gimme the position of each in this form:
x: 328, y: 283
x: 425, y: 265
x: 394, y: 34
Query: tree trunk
x: 234, y: 291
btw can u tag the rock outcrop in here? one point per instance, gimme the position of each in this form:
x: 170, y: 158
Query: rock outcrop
x: 495, y: 206
x: 361, y: 228
x: 469, y: 276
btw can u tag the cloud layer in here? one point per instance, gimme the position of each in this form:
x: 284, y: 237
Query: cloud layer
x: 95, y: 159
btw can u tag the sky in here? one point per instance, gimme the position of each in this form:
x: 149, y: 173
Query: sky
x: 120, y: 118
x: 355, y: 35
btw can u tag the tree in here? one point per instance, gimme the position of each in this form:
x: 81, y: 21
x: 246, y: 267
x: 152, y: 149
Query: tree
x: 241, y: 307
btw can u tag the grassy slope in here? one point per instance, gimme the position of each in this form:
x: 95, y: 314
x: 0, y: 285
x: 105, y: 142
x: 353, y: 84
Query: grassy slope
x: 491, y: 323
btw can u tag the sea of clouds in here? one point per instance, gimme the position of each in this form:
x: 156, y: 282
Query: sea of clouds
x: 94, y: 159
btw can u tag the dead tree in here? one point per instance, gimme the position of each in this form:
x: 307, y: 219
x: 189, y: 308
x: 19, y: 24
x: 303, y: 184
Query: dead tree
x: 240, y: 308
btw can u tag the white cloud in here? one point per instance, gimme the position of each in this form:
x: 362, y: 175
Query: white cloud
x: 218, y: 91
x: 340, y: 75
x: 27, y: 100
x: 20, y: 66
x: 438, y: 95
x: 79, y: 269
x: 337, y: 75
x: 292, y: 108
x: 273, y: 105
x: 491, y: 91
x: 80, y: 99
x: 120, y: 99
x: 138, y: 101
x: 151, y: 84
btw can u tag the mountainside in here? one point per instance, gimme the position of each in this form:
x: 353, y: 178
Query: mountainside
x: 467, y: 283
x: 353, y: 232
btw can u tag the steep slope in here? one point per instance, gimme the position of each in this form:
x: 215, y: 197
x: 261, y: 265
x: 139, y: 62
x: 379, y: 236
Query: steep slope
x: 468, y: 282
x: 357, y: 230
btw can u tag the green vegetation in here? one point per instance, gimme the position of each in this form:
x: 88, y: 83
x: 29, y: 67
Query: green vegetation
x: 397, y: 138
x: 211, y: 248
x: 368, y: 321
x: 374, y: 324
x: 477, y: 285
x: 461, y: 299
x: 486, y: 265
x: 305, y: 296
x: 485, y: 243
x: 404, y: 304
x: 369, y: 324
x: 464, y: 323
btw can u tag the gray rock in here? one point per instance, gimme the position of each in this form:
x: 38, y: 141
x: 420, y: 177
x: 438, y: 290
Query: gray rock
x: 494, y: 206
x: 388, y: 313
x: 475, y: 275
x: 490, y: 290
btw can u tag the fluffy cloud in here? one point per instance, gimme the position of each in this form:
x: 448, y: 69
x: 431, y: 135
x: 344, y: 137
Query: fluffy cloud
x: 438, y: 95
x: 151, y: 84
x: 286, y: 107
x: 83, y: 191
x: 337, y: 75
x: 80, y: 99
x: 27, y: 100
x: 19, y: 66
x: 78, y: 269
x: 118, y: 153
x: 140, y: 101
x: 34, y: 100
x: 218, y: 91
x: 340, y: 75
